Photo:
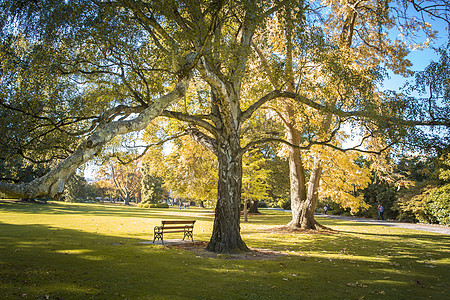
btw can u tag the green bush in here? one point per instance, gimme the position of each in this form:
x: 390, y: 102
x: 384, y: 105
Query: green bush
x: 430, y: 205
x: 262, y: 204
x: 153, y: 205
x: 438, y: 205
x: 284, y: 203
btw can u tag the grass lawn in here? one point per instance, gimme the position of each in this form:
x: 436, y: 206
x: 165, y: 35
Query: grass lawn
x: 83, y: 251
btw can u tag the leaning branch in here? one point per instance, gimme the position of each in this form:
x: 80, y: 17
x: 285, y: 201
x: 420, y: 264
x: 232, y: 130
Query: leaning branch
x: 52, y: 184
x: 255, y: 106
x: 203, y: 139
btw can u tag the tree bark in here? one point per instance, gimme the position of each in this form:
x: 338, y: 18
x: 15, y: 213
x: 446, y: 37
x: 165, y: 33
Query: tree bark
x: 226, y: 237
x: 253, y: 207
x: 303, y: 208
x: 126, y: 199
x: 302, y: 215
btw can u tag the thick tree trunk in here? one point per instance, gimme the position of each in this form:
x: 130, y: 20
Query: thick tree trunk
x: 126, y: 199
x: 253, y: 209
x: 303, y: 201
x: 300, y: 206
x: 313, y: 187
x: 304, y: 208
x: 226, y: 236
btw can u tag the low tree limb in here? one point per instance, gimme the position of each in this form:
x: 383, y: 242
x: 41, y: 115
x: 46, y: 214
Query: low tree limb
x: 52, y: 184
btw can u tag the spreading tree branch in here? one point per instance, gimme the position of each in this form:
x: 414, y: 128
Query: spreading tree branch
x: 52, y: 183
x: 203, y: 139
x: 197, y: 120
x: 148, y: 147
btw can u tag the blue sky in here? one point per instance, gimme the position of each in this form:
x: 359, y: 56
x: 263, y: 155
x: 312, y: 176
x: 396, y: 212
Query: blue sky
x: 421, y: 58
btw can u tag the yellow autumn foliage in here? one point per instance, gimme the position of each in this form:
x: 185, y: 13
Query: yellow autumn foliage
x: 342, y: 176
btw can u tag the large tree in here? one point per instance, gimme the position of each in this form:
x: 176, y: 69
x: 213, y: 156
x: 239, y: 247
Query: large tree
x: 339, y: 71
x: 75, y: 74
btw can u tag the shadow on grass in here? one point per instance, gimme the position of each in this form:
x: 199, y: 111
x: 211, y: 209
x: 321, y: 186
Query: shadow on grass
x: 39, y: 261
x: 376, y: 235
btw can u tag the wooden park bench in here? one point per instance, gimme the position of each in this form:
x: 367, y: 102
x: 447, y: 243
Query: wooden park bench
x: 187, y: 227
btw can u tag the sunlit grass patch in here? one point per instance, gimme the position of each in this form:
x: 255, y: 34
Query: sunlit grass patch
x: 79, y: 251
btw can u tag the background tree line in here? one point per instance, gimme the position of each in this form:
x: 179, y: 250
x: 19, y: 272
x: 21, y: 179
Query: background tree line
x: 413, y: 189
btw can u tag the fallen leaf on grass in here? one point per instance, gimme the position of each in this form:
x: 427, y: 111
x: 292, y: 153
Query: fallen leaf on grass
x: 356, y: 284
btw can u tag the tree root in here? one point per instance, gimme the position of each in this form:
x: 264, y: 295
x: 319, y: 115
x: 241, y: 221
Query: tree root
x: 315, y: 226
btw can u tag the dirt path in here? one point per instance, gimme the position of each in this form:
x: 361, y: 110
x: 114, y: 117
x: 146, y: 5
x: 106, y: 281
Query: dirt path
x: 423, y: 227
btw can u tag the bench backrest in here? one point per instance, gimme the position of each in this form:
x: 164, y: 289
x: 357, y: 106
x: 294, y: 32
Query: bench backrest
x: 178, y: 222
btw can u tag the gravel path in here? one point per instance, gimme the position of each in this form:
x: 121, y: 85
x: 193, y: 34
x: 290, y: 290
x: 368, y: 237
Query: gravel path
x: 423, y: 227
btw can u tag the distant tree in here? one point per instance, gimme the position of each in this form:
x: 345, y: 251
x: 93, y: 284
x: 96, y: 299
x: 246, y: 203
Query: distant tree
x: 152, y: 186
x: 255, y: 184
x: 76, y: 190
x: 188, y: 170
x: 379, y: 191
x: 278, y: 179
x: 105, y: 188
x: 126, y: 178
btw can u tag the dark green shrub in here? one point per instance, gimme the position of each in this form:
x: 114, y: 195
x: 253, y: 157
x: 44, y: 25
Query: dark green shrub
x: 153, y: 205
x: 262, y: 204
x: 284, y: 203
x: 430, y: 204
x: 438, y: 205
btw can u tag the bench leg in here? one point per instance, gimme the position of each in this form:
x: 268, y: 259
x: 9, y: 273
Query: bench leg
x: 158, y: 236
x: 188, y: 234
